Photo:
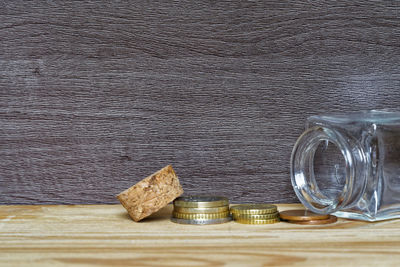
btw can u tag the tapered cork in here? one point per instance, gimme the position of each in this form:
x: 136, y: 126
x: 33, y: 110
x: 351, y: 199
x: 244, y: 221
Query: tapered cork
x: 151, y: 194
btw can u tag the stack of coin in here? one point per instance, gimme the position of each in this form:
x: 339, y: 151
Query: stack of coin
x: 201, y: 210
x: 255, y: 213
x: 306, y: 217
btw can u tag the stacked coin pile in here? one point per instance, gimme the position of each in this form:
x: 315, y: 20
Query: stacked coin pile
x: 306, y: 217
x: 201, y: 210
x: 255, y: 213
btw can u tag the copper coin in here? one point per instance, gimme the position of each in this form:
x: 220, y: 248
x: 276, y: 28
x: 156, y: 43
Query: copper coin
x: 331, y: 219
x: 302, y: 215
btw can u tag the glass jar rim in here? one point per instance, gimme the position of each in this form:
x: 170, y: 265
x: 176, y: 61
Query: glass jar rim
x: 303, y: 152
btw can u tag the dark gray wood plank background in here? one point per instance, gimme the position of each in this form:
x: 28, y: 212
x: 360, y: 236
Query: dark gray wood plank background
x: 94, y: 96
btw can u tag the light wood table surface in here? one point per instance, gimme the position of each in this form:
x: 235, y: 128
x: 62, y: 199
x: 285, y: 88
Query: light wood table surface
x: 102, y: 235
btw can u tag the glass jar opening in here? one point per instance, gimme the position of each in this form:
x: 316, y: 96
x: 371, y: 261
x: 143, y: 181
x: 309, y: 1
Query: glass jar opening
x: 328, y: 169
x: 322, y: 170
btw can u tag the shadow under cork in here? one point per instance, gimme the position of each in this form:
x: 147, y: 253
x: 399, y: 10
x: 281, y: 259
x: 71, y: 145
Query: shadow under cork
x: 161, y: 215
x: 124, y: 216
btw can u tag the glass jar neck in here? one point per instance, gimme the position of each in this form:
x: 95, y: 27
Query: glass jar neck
x: 308, y: 187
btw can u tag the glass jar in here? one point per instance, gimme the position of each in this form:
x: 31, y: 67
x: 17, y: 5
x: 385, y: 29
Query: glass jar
x: 349, y: 165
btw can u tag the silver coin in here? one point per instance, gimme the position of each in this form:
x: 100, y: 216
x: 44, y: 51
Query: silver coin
x: 201, y: 222
x: 201, y: 201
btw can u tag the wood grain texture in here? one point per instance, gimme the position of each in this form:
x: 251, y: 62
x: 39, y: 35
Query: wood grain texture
x: 96, y: 95
x: 104, y: 235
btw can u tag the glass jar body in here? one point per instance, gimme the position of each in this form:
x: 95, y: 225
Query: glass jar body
x: 349, y: 165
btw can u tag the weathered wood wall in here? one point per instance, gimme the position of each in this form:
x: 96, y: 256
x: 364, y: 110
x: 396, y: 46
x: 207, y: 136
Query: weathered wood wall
x: 96, y: 95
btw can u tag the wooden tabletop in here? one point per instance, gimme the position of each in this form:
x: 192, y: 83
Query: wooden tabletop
x: 101, y: 235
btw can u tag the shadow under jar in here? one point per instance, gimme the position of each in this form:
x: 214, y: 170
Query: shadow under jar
x: 349, y: 165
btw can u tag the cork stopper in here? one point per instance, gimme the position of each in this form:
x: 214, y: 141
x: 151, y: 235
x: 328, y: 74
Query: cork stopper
x: 151, y: 194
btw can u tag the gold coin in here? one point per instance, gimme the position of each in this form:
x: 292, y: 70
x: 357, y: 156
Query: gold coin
x: 256, y: 216
x: 253, y: 209
x: 267, y: 221
x: 201, y: 202
x: 201, y: 210
x: 200, y: 216
x: 302, y: 215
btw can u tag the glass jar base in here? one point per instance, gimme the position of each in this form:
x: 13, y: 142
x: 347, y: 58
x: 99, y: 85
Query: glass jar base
x: 364, y: 217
